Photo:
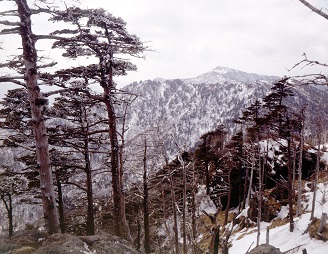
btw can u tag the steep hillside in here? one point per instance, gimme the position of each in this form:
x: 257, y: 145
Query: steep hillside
x: 185, y: 109
x: 304, y: 236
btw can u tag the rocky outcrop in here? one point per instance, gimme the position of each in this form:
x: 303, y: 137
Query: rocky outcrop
x: 32, y: 242
x: 265, y: 249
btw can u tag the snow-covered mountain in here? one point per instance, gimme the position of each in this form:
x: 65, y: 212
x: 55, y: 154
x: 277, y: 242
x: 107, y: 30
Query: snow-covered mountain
x: 184, y: 109
x: 223, y: 74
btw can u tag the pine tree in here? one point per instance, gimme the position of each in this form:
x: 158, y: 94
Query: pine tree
x: 102, y: 36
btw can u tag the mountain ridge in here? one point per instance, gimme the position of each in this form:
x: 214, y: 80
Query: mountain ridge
x: 185, y: 109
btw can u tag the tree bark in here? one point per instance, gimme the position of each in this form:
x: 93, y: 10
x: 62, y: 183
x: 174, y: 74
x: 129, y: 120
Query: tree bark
x: 37, y: 103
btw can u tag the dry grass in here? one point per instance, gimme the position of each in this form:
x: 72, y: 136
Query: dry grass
x: 24, y: 250
x: 207, y: 226
x: 313, y: 230
x: 278, y: 222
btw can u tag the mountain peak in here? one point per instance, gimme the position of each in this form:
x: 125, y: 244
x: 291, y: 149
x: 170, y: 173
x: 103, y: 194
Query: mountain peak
x: 221, y: 69
x: 220, y: 75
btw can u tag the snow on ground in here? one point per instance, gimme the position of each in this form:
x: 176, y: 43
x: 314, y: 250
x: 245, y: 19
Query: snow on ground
x: 281, y: 238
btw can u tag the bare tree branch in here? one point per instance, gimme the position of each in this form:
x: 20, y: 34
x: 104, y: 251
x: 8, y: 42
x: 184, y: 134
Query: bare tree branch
x: 314, y: 9
x: 21, y: 145
x: 48, y: 37
x: 10, y: 64
x: 14, y: 30
x: 13, y: 80
x: 8, y: 23
x: 307, y: 62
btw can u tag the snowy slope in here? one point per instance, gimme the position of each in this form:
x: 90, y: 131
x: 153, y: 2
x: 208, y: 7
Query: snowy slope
x: 281, y: 238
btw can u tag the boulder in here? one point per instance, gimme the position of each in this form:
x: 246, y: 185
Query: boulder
x: 265, y: 249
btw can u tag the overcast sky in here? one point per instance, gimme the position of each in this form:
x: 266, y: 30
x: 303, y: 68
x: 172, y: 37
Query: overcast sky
x: 190, y: 37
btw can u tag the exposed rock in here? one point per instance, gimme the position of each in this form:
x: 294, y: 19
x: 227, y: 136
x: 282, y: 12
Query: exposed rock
x: 29, y: 242
x: 100, y: 244
x: 265, y: 249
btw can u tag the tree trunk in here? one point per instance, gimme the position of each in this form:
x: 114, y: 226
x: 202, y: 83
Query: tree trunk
x: 315, y: 182
x: 175, y: 216
x: 37, y: 103
x: 10, y: 216
x: 90, y: 225
x: 216, y: 240
x: 259, y: 215
x: 60, y: 205
x: 226, y: 215
x: 245, y: 188
x: 322, y: 223
x: 184, y: 207
x: 299, y: 187
x: 9, y: 207
x: 250, y: 184
x: 290, y: 184
x: 121, y: 227
x: 145, y: 203
x: 193, y: 208
x: 120, y: 223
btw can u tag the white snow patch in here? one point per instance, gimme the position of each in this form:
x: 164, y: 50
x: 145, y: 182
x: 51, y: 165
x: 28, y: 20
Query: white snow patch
x: 281, y: 238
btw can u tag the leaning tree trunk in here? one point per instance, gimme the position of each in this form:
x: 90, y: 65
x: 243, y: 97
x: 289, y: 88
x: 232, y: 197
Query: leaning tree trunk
x: 37, y: 104
x: 121, y: 226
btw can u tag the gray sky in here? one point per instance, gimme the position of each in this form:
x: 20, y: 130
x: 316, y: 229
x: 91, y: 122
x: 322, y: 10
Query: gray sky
x: 194, y: 36
x: 191, y: 37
